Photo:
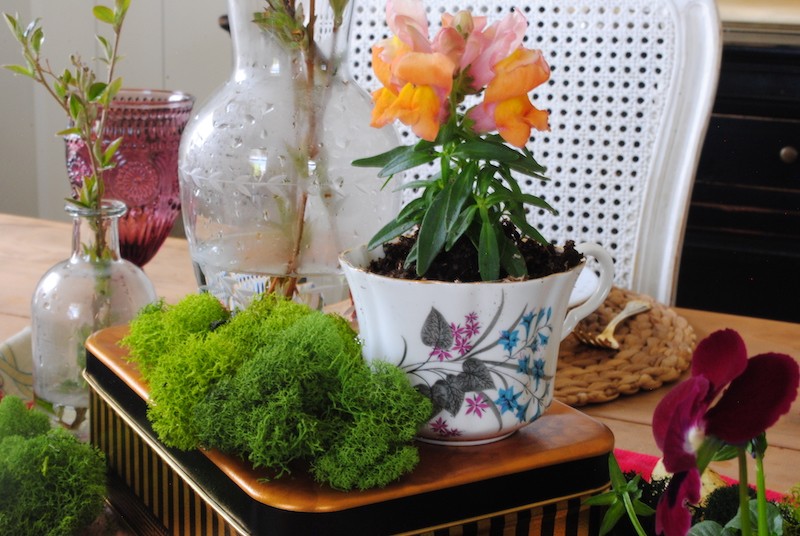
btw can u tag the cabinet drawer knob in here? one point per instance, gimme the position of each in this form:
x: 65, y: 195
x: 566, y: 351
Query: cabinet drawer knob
x: 788, y: 154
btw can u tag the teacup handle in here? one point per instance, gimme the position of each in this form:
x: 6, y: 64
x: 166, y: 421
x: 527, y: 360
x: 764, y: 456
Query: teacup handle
x: 606, y: 265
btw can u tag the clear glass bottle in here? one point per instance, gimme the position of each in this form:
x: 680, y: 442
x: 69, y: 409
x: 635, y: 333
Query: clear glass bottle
x: 94, y: 288
x: 268, y: 192
x: 145, y: 176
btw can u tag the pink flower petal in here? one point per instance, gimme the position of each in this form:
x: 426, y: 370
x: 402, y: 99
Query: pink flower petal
x: 720, y: 357
x: 408, y: 21
x: 756, y: 399
x: 672, y: 516
x: 676, y: 416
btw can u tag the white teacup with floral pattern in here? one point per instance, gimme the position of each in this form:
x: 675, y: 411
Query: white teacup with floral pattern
x: 485, y: 353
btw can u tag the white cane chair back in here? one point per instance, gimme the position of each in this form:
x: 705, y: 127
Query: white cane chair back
x: 630, y: 94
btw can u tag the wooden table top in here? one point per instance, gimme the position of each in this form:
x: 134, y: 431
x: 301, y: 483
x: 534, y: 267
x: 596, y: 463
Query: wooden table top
x: 28, y: 247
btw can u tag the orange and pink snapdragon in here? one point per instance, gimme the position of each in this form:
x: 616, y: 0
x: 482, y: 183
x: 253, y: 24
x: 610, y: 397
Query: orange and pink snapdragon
x: 423, y: 80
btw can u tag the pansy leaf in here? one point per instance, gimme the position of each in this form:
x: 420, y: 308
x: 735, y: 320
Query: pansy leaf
x: 436, y: 332
x: 706, y: 528
x: 612, y: 517
x: 726, y: 452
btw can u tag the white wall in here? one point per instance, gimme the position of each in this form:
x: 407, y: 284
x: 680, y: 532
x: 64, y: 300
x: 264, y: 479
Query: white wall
x: 168, y: 44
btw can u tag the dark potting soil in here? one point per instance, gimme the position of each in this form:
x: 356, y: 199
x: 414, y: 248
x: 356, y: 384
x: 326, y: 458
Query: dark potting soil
x: 461, y: 262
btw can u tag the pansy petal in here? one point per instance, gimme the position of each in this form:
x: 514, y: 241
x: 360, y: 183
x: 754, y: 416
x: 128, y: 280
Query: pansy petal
x: 672, y: 516
x: 756, y: 399
x: 720, y: 357
x: 675, y: 420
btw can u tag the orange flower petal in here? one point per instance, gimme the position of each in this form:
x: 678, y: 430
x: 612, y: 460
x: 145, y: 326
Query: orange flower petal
x: 382, y: 69
x: 418, y: 107
x: 517, y: 75
x: 423, y: 69
x: 383, y: 99
x: 515, y: 117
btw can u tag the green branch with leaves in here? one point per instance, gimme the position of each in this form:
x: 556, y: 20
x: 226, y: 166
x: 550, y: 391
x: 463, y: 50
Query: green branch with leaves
x: 81, y: 95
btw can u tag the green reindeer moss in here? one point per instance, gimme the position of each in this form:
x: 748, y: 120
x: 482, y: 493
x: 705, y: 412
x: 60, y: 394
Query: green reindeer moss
x: 280, y: 385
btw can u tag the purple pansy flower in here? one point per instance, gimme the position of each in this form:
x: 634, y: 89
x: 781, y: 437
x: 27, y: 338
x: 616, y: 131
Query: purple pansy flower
x: 759, y: 390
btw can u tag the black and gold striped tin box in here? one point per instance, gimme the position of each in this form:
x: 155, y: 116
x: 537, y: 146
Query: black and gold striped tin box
x: 533, y: 482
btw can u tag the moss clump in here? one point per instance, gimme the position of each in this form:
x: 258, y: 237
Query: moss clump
x: 17, y: 420
x: 380, y: 415
x: 158, y: 327
x: 280, y: 384
x: 52, y: 484
x: 721, y: 505
x: 789, y: 508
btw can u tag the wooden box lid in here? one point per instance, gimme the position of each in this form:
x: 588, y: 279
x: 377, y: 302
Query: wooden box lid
x: 563, y: 437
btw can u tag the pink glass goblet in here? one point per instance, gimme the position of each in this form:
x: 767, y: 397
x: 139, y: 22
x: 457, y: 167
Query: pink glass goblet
x: 145, y: 177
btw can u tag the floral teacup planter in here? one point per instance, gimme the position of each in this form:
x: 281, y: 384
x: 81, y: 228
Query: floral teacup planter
x: 485, y: 353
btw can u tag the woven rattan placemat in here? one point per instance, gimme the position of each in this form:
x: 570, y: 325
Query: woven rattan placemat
x: 655, y: 348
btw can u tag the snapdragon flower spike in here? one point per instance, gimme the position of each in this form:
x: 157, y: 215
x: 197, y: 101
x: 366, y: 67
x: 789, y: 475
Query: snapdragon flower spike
x: 423, y: 81
x: 759, y: 390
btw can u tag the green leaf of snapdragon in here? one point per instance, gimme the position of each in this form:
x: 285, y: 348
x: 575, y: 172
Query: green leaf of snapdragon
x: 485, y: 150
x: 526, y: 228
x: 390, y: 231
x: 432, y: 231
x: 511, y: 259
x: 405, y: 161
x: 488, y: 249
x: 460, y: 226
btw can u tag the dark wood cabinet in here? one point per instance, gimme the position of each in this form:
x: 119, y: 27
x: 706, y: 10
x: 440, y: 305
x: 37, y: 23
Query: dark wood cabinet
x: 741, y: 251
